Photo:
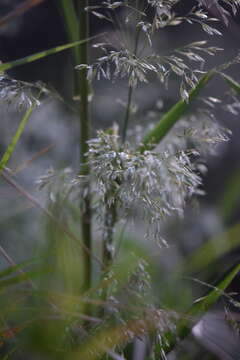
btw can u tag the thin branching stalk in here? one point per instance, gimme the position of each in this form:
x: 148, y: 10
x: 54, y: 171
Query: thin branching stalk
x: 130, y: 89
x: 127, y: 114
x: 110, y: 216
x: 110, y: 211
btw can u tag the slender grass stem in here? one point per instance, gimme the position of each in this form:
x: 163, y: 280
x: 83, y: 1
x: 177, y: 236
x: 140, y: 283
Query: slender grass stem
x: 127, y: 114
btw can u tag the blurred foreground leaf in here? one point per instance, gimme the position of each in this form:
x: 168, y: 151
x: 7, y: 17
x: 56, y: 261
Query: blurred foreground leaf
x: 213, y: 250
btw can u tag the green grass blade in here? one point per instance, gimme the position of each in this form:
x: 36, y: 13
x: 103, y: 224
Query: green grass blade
x: 200, y: 308
x: 15, y: 139
x: 231, y: 82
x: 42, y: 54
x: 71, y: 24
x: 172, y: 116
x: 205, y: 303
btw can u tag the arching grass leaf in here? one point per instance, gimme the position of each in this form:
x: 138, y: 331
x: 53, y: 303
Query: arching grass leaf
x: 231, y: 82
x: 173, y: 115
x: 42, y: 54
x: 200, y: 308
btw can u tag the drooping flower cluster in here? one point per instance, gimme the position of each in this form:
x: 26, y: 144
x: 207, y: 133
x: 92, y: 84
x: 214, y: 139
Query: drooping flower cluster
x: 157, y: 183
x: 126, y: 64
